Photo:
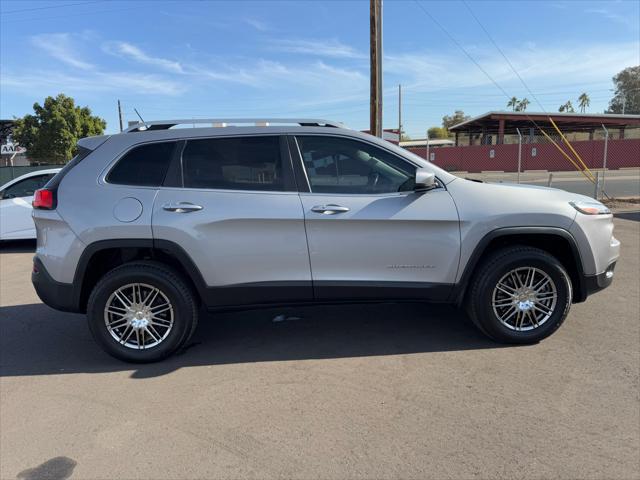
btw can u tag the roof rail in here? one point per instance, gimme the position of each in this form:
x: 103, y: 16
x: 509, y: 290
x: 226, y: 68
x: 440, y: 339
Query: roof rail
x: 222, y: 122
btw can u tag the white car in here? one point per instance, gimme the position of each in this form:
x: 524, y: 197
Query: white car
x: 15, y: 204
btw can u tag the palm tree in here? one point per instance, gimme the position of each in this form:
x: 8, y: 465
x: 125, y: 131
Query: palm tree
x: 522, y: 105
x: 513, y: 103
x: 583, y: 102
x: 567, y: 107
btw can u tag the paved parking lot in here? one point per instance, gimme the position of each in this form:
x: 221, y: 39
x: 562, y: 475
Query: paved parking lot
x: 384, y: 391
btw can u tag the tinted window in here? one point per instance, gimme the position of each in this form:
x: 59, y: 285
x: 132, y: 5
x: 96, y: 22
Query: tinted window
x: 145, y: 165
x: 26, y: 187
x: 240, y: 163
x: 341, y: 165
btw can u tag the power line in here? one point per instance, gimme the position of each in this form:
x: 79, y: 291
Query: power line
x: 502, y: 53
x: 79, y: 14
x: 50, y: 6
x: 464, y: 50
x: 498, y: 86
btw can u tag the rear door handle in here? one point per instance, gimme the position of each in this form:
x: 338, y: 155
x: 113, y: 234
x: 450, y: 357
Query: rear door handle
x: 181, y: 207
x: 330, y: 209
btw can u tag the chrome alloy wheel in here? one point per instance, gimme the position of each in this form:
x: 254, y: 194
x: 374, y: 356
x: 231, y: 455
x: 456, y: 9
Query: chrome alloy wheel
x: 524, y: 298
x: 138, y: 316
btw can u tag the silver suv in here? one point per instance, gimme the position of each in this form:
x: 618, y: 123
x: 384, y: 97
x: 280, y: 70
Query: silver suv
x: 144, y: 229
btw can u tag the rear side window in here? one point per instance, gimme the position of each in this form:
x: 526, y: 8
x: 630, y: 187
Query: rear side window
x: 239, y: 163
x: 144, y: 166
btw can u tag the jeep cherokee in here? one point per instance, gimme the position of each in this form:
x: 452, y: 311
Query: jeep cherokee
x: 143, y: 229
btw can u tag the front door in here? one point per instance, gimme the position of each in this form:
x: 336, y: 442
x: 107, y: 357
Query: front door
x: 370, y: 234
x: 235, y: 211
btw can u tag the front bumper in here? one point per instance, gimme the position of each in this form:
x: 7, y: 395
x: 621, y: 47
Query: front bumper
x: 594, y: 283
x: 61, y: 296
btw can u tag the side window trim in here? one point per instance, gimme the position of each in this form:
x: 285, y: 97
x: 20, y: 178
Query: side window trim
x: 174, y: 178
x: 300, y: 172
x: 300, y: 164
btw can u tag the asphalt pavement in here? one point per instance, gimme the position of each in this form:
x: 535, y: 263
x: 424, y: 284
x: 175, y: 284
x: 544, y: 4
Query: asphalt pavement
x: 350, y: 392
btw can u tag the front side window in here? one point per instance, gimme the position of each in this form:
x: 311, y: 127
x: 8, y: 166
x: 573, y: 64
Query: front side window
x: 145, y: 165
x: 342, y: 165
x: 236, y: 163
x: 26, y: 187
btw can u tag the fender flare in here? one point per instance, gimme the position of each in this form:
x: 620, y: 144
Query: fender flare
x: 172, y: 248
x: 470, y: 267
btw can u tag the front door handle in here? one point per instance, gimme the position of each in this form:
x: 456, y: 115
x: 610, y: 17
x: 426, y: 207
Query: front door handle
x: 330, y: 209
x: 181, y: 207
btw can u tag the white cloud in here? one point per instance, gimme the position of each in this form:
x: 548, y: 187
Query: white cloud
x: 630, y: 21
x: 320, y: 48
x: 257, y: 24
x: 548, y: 66
x: 268, y: 74
x: 132, y: 52
x: 112, y: 82
x: 61, y: 46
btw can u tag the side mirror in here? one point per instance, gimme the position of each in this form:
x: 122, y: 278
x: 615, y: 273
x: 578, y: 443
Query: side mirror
x: 425, y: 180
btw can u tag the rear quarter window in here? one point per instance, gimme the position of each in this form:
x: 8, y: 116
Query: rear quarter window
x: 144, y: 165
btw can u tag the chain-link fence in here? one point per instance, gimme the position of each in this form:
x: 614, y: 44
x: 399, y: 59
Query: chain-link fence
x: 605, y: 149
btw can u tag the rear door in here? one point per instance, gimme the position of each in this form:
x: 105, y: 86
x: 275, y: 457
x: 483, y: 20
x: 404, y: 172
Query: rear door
x: 232, y: 205
x: 370, y: 234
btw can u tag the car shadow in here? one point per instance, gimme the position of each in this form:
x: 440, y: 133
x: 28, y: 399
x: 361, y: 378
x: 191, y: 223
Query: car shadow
x: 17, y: 246
x: 37, y: 340
x: 633, y: 216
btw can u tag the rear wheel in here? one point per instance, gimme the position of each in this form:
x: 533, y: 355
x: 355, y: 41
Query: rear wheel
x: 142, y: 312
x: 520, y: 295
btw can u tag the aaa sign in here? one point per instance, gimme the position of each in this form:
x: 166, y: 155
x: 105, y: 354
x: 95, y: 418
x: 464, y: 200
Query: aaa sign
x: 11, y: 148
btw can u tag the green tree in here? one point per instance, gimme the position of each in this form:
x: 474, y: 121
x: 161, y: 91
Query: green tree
x: 566, y: 107
x: 627, y: 92
x: 438, y: 132
x: 451, y: 120
x: 513, y: 103
x: 583, y: 102
x: 522, y: 105
x: 51, y: 133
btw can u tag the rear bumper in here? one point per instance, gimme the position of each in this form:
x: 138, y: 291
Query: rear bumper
x: 61, y: 296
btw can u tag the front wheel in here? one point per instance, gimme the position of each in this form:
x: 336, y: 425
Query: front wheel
x: 520, y: 295
x: 141, y: 312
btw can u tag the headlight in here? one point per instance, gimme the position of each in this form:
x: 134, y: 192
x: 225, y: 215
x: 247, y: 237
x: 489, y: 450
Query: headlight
x: 590, y: 208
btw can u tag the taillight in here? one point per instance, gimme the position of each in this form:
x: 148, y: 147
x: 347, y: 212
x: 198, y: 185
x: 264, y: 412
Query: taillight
x: 43, y: 199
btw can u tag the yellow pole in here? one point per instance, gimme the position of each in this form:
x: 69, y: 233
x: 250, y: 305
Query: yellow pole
x: 571, y: 147
x: 592, y: 180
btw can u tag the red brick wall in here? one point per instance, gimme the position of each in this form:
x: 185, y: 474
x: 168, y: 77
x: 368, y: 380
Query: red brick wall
x: 621, y: 153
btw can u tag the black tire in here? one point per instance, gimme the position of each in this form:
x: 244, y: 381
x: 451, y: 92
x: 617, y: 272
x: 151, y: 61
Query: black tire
x: 479, y: 300
x: 170, y: 283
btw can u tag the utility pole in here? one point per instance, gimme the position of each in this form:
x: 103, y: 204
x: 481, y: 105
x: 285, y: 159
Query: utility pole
x: 604, y: 159
x: 120, y: 115
x: 399, y: 113
x: 375, y: 47
x: 519, y: 153
x: 427, y: 158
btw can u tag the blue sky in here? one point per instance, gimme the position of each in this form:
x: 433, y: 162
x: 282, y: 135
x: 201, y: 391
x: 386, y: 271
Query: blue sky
x: 184, y: 59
